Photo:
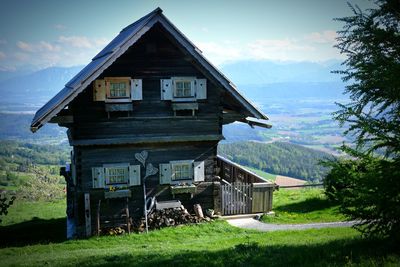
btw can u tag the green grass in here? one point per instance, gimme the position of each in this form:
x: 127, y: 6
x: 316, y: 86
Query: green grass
x: 303, y: 206
x: 23, y: 211
x: 210, y: 244
x: 29, y: 241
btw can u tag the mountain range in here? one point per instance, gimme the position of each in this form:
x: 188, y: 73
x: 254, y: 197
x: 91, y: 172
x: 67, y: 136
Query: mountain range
x: 256, y: 72
x: 37, y: 87
x: 256, y: 79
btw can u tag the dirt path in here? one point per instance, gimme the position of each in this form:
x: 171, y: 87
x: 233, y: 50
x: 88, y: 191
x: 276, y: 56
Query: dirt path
x: 250, y: 223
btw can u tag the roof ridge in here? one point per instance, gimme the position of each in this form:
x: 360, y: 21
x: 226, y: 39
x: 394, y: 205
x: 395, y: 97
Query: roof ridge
x: 158, y: 10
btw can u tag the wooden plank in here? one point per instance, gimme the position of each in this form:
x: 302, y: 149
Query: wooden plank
x: 236, y: 199
x: 224, y: 199
x: 145, y: 140
x: 98, y: 226
x: 128, y: 225
x: 250, y: 201
x: 88, y: 220
x: 242, y: 199
x: 231, y: 200
x: 245, y: 190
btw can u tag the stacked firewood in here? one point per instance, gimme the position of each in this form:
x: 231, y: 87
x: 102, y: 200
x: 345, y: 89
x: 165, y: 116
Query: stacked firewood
x: 170, y: 217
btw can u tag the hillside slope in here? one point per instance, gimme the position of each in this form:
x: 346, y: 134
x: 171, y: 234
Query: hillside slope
x: 278, y: 158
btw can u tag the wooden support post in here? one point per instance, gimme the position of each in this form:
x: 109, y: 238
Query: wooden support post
x: 88, y: 219
x: 128, y: 225
x: 98, y: 226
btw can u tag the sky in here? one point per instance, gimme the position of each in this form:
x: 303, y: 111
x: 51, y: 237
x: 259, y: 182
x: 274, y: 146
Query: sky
x: 43, y: 33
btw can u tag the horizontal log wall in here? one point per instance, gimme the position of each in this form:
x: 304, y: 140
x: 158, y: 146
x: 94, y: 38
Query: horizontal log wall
x: 150, y: 116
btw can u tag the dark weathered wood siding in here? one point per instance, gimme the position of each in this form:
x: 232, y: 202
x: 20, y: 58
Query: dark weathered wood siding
x: 150, y: 116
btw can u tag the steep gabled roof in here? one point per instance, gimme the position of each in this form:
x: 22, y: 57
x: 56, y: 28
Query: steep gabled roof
x: 118, y: 46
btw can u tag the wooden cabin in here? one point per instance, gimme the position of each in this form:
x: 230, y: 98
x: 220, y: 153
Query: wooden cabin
x: 146, y: 115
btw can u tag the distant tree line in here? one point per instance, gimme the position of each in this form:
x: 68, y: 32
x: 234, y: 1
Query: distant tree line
x: 16, y: 156
x: 278, y: 158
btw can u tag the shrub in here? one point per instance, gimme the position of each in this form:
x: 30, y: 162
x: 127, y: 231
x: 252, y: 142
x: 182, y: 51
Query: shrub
x: 368, y: 191
x: 5, y: 203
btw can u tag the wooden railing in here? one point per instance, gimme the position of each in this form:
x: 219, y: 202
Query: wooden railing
x: 234, y: 173
x: 243, y: 191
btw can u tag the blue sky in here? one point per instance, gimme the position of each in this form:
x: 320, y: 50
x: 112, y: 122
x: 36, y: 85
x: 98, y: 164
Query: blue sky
x: 43, y: 33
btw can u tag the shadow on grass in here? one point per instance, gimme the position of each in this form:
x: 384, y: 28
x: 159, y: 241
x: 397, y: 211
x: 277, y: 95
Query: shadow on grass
x: 35, y: 231
x: 309, y: 205
x: 336, y: 253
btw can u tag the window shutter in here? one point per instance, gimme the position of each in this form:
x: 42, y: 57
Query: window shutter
x: 198, y: 169
x: 201, y: 88
x: 99, y: 90
x: 134, y: 174
x: 166, y: 89
x: 98, y: 177
x: 165, y: 174
x: 136, y: 89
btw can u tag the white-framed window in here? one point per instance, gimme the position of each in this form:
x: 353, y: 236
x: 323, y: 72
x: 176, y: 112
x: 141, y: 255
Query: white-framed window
x: 181, y: 170
x: 118, y: 88
x: 183, y: 87
x: 117, y: 175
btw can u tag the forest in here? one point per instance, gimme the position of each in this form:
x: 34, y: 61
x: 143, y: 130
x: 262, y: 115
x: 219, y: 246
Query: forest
x: 281, y: 158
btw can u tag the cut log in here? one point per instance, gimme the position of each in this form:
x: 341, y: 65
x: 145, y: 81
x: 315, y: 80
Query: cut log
x: 198, y: 211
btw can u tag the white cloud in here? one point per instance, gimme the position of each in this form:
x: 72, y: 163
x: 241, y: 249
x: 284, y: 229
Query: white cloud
x: 46, y: 46
x: 59, y: 27
x: 37, y: 47
x: 220, y: 52
x: 277, y: 49
x: 315, y: 46
x: 25, y: 46
x: 322, y: 37
x: 63, y: 51
x: 82, y: 41
x: 75, y: 41
x: 8, y: 68
x: 2, y: 55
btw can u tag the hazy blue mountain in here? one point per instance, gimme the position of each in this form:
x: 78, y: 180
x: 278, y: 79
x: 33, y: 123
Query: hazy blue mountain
x: 257, y: 80
x: 256, y: 72
x: 297, y: 90
x: 36, y: 87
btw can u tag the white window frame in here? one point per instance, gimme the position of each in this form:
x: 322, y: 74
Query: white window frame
x: 196, y: 172
x: 108, y: 167
x: 126, y: 81
x: 191, y: 80
x: 179, y: 164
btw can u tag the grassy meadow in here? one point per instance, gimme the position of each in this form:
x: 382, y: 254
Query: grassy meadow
x: 306, y: 205
x: 33, y: 234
